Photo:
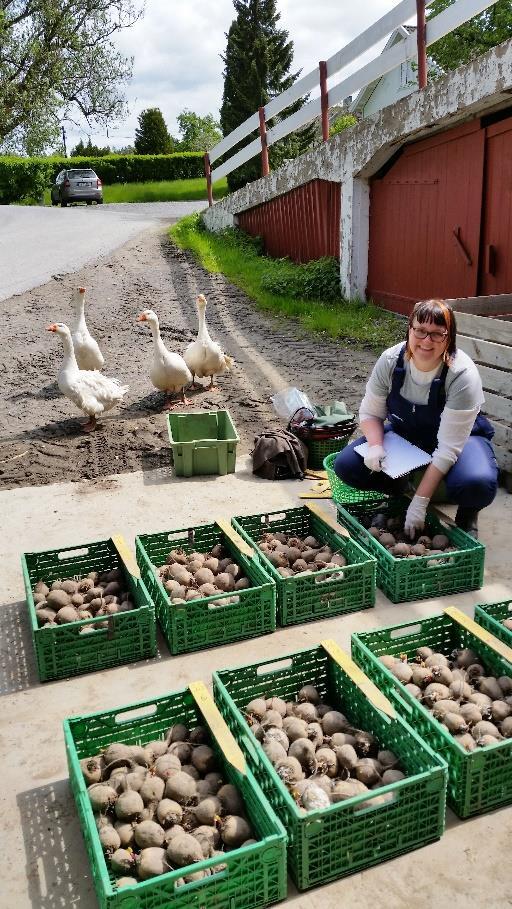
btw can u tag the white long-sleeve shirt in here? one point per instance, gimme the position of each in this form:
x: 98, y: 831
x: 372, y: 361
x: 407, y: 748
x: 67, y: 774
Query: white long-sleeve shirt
x: 464, y: 398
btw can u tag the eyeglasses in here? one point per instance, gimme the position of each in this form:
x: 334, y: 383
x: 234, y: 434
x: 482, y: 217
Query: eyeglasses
x: 435, y: 336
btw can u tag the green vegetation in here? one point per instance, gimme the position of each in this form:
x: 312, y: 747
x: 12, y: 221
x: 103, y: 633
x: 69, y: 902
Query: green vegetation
x: 161, y: 191
x: 286, y: 289
x: 471, y: 39
x: 152, y: 136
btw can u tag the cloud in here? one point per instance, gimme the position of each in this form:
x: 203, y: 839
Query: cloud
x: 177, y: 48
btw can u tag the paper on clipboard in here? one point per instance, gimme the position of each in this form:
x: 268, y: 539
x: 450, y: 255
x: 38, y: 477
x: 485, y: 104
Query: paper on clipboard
x: 401, y: 456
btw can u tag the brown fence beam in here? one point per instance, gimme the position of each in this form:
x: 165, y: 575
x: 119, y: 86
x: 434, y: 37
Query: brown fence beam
x: 324, y: 99
x: 422, y: 45
x: 265, y: 169
x: 208, y: 175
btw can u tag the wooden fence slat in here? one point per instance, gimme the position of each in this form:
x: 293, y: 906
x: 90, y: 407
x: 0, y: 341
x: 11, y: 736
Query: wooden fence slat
x: 497, y: 407
x: 486, y: 329
x: 496, y: 380
x: 486, y: 352
x: 496, y: 304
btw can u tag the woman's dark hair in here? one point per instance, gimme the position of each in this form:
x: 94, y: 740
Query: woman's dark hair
x: 441, y: 314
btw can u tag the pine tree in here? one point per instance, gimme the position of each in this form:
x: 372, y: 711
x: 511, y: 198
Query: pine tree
x: 257, y: 66
x: 152, y: 136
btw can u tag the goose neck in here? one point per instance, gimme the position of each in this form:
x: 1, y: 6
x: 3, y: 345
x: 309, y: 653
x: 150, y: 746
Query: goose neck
x: 69, y: 353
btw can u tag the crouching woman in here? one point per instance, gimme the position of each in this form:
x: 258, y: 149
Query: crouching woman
x: 429, y: 392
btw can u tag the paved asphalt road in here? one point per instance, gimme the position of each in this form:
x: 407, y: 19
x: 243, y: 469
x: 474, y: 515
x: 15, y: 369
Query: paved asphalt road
x: 36, y: 243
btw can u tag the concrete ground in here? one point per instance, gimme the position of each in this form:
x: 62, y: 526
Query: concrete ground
x: 44, y: 860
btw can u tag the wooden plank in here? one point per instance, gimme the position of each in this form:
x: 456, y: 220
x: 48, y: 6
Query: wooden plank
x: 230, y: 747
x: 497, y: 407
x: 369, y: 689
x: 250, y: 151
x: 503, y: 436
x: 245, y: 129
x: 496, y: 305
x: 481, y: 633
x: 496, y: 380
x: 486, y: 352
x: 485, y: 329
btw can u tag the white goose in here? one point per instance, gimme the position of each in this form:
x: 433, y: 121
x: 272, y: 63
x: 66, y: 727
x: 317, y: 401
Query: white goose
x: 169, y: 372
x: 88, y: 389
x: 203, y: 356
x: 87, y: 353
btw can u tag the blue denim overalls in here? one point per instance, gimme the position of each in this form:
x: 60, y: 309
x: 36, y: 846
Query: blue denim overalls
x: 471, y: 482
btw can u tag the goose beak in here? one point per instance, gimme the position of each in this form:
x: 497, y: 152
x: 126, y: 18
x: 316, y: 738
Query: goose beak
x: 51, y: 327
x: 141, y: 318
x: 81, y: 290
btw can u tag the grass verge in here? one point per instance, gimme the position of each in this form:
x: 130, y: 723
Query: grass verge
x: 240, y: 259
x: 159, y: 191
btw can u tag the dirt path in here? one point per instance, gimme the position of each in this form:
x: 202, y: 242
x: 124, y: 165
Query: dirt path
x: 40, y: 437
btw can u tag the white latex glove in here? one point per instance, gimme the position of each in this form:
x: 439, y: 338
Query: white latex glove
x: 374, y: 457
x: 415, y: 517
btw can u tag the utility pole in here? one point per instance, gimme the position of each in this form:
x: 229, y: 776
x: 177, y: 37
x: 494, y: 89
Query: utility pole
x: 64, y: 140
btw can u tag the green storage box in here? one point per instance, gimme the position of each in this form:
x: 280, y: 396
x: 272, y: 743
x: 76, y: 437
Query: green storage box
x: 210, y: 621
x: 425, y: 576
x: 479, y: 780
x: 255, y: 875
x: 203, y: 442
x: 343, y: 494
x: 491, y: 615
x: 348, y: 836
x: 62, y: 651
x: 306, y: 598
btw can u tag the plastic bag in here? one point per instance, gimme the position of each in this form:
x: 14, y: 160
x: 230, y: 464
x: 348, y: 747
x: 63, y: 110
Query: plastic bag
x: 289, y: 401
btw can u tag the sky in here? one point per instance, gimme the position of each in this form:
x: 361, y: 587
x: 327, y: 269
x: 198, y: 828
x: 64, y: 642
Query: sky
x: 177, y: 47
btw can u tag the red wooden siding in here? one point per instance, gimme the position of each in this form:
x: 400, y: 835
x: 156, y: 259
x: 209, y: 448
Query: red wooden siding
x: 425, y: 221
x: 302, y: 224
x: 496, y: 246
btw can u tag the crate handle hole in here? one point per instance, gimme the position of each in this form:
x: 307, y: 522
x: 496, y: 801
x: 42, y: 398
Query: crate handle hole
x: 73, y: 553
x: 402, y: 632
x: 137, y: 713
x: 272, y: 518
x: 510, y: 606
x: 276, y: 666
x: 381, y: 801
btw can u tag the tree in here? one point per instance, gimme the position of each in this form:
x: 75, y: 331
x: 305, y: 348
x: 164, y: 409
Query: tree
x: 152, y: 136
x: 257, y: 65
x: 471, y: 39
x: 89, y: 150
x: 197, y: 133
x: 57, y: 60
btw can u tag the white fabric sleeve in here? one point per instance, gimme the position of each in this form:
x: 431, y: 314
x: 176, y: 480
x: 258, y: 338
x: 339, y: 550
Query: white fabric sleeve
x: 454, y: 431
x: 372, y: 406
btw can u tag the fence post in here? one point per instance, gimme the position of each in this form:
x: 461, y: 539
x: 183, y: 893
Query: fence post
x: 208, y: 175
x: 265, y: 170
x: 422, y: 48
x: 324, y: 99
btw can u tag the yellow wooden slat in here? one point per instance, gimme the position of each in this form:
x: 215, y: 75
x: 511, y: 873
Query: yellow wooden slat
x: 332, y: 523
x: 125, y: 554
x: 369, y: 689
x: 462, y: 619
x: 235, y: 537
x: 218, y: 726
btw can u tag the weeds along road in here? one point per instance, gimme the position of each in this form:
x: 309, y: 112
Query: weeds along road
x: 37, y: 243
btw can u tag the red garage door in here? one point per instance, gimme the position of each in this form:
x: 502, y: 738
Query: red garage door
x: 496, y: 245
x: 425, y: 215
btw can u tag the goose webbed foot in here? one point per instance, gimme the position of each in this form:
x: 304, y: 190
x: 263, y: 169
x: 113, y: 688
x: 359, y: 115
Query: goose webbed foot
x: 90, y: 426
x: 212, y: 386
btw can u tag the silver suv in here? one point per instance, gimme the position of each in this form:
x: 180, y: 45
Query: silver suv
x: 77, y: 185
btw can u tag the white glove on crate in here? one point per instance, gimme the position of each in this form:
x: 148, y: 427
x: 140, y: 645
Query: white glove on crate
x: 374, y: 457
x: 415, y: 516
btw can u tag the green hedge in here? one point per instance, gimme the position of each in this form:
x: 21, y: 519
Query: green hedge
x: 27, y: 178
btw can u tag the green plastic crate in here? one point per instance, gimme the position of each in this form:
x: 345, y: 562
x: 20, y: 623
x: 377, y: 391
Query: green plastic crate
x: 255, y: 875
x: 479, y: 780
x: 310, y: 597
x: 425, y: 576
x: 207, y: 622
x: 203, y: 442
x: 346, y: 837
x: 62, y: 651
x: 319, y: 449
x: 343, y: 494
x: 490, y: 615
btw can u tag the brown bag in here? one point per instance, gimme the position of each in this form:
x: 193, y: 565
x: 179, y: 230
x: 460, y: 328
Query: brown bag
x: 279, y: 455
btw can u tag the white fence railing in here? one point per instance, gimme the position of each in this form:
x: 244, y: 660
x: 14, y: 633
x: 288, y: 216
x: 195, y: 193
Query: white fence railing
x: 411, y: 48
